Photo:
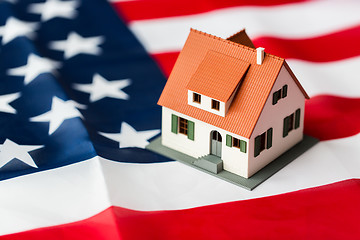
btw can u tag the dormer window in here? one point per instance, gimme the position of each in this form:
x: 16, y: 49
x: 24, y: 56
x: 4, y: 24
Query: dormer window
x: 219, y: 77
x: 215, y: 104
x: 196, y: 98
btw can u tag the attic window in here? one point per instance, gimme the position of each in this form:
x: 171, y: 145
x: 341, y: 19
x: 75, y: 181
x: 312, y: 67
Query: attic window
x: 284, y: 91
x: 281, y: 93
x: 276, y: 96
x: 196, y: 98
x: 215, y: 104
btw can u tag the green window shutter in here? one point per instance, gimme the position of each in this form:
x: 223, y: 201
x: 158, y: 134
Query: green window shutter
x: 286, y: 127
x: 297, y: 118
x: 269, y: 136
x: 174, y: 123
x: 228, y: 140
x: 257, y: 146
x: 243, y: 146
x: 275, y: 97
x: 284, y: 91
x: 191, y: 133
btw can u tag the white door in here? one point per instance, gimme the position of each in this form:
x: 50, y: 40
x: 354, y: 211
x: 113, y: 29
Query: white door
x: 216, y: 140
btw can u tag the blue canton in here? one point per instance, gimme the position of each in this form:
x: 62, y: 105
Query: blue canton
x: 74, y: 84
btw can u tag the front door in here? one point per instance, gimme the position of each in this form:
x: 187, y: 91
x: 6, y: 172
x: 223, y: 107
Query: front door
x: 216, y: 143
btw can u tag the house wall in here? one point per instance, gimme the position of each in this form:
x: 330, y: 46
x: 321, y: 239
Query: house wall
x: 273, y: 116
x: 233, y: 159
x: 206, y: 104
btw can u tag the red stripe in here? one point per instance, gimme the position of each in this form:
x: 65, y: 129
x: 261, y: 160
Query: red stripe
x: 166, y: 61
x: 331, y: 117
x: 327, y: 212
x: 100, y: 227
x: 331, y: 47
x: 144, y: 9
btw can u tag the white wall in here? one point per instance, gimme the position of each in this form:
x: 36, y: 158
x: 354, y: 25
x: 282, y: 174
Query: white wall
x: 234, y: 160
x: 273, y: 116
x: 206, y: 104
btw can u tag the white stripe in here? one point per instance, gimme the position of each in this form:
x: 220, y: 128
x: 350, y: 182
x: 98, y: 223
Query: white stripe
x: 78, y: 191
x: 170, y: 186
x: 340, y: 78
x: 300, y: 20
x: 53, y: 197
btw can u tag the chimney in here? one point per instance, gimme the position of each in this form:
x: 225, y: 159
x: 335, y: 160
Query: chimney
x: 260, y: 54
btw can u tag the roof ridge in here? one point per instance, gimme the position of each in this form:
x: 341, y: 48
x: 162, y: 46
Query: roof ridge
x: 233, y: 43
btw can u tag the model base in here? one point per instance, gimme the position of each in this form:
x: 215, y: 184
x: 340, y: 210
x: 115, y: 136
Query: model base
x: 247, y: 183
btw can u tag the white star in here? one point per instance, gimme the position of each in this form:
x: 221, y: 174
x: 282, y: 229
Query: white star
x: 129, y: 137
x: 54, y: 8
x: 10, y: 150
x: 34, y: 67
x: 101, y: 88
x: 14, y: 28
x: 76, y: 44
x: 5, y: 100
x: 59, y: 112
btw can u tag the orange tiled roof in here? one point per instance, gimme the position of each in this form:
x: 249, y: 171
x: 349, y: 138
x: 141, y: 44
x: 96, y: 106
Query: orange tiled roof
x: 217, y: 76
x: 250, y: 98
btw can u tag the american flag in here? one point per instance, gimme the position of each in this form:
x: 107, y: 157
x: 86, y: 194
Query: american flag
x: 79, y: 83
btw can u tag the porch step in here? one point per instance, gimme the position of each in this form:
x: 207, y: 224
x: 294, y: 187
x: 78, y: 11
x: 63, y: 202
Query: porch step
x: 210, y: 163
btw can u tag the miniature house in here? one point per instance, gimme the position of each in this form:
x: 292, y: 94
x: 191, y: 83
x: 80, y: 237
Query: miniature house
x: 228, y: 101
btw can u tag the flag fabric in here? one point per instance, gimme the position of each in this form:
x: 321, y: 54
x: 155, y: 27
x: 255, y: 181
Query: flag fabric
x: 79, y: 83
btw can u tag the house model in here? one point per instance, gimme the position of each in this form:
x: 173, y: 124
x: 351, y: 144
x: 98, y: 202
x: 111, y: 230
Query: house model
x: 230, y: 105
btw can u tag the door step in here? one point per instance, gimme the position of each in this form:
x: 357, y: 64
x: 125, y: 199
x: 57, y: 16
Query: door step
x: 210, y: 163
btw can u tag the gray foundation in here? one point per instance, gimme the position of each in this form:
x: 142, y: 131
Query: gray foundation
x: 213, y: 165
